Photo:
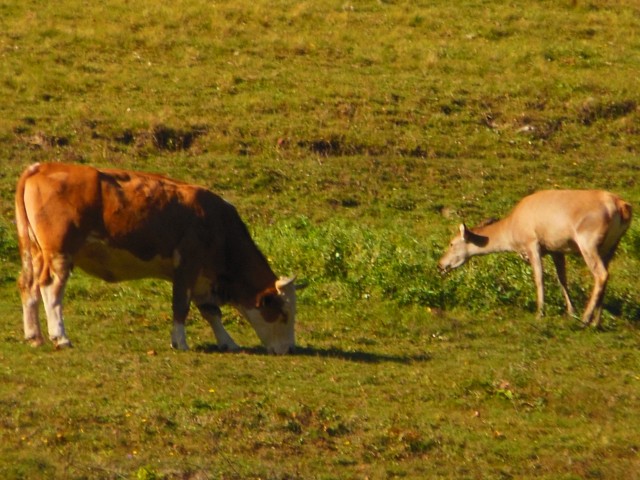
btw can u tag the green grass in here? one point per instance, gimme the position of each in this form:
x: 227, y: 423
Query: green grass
x: 353, y: 138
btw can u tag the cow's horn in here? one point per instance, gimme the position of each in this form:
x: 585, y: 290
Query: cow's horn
x: 283, y: 282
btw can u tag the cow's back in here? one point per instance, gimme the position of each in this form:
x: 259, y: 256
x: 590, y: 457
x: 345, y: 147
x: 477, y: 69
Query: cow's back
x: 115, y: 224
x: 146, y: 214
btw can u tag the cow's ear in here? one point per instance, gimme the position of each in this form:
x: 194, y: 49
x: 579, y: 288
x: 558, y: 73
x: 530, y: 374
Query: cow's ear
x: 269, y: 302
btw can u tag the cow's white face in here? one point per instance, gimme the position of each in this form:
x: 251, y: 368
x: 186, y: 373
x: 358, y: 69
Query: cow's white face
x: 274, y: 317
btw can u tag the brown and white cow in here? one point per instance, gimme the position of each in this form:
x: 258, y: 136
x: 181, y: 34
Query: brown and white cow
x: 120, y: 225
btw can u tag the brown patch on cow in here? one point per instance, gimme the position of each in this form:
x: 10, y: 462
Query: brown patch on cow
x: 265, y: 296
x: 270, y: 304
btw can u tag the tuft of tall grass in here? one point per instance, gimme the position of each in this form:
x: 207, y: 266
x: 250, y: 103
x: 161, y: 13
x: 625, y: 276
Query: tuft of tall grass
x: 346, y: 262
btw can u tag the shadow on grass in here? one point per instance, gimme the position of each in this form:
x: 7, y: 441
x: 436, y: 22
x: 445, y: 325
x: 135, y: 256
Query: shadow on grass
x: 623, y: 307
x: 333, y: 352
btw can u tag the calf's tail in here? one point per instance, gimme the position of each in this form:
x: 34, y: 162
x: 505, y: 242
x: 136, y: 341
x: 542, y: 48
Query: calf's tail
x: 625, y: 211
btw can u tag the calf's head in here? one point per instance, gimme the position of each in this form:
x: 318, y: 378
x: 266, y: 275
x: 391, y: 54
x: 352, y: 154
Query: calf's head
x: 463, y: 246
x: 273, y: 316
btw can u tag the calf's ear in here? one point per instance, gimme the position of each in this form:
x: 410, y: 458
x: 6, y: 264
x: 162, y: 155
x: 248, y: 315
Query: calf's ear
x: 478, y: 240
x: 471, y: 237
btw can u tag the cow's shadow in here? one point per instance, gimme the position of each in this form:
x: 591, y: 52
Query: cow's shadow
x: 357, y: 356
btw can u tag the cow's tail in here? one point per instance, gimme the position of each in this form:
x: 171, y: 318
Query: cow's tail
x: 22, y: 224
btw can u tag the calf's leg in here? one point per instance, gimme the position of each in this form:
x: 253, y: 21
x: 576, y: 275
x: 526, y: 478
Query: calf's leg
x: 538, y: 276
x: 593, y: 311
x: 561, y: 270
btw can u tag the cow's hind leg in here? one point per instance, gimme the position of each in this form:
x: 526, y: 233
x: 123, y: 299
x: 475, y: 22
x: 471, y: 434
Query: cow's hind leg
x: 561, y: 270
x: 52, y: 291
x: 30, y: 296
x: 213, y: 315
x: 180, y: 305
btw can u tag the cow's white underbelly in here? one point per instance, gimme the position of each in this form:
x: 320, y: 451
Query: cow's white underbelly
x: 116, y: 265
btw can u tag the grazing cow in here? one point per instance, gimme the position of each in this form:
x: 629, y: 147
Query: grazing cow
x: 555, y: 222
x: 121, y: 225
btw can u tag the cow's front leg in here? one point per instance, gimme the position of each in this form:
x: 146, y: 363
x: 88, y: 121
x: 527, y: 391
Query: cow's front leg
x: 213, y: 315
x: 180, y: 304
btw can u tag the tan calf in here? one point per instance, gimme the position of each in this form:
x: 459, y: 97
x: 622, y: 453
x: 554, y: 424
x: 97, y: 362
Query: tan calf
x: 554, y: 222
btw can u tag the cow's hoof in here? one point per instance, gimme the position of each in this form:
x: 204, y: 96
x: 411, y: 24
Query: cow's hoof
x: 62, y: 343
x: 36, y: 341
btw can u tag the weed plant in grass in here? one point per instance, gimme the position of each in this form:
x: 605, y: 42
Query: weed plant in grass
x: 353, y: 138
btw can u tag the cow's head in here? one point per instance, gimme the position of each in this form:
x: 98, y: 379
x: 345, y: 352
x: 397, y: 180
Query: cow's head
x: 274, y: 316
x: 463, y: 246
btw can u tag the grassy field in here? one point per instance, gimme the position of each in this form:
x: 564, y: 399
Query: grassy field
x: 353, y: 137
